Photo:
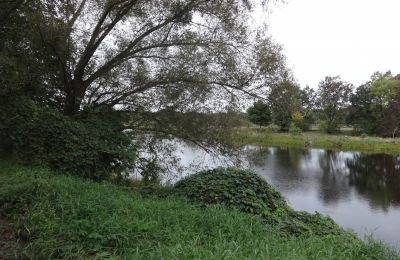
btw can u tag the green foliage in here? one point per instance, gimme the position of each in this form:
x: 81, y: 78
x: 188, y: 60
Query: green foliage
x: 365, y: 111
x: 300, y: 121
x: 62, y: 217
x: 259, y: 113
x: 294, y: 129
x: 285, y: 100
x: 297, y: 118
x: 240, y: 189
x: 375, y: 106
x: 288, y: 99
x: 384, y: 86
x: 333, y: 99
x: 245, y: 191
x: 92, y: 145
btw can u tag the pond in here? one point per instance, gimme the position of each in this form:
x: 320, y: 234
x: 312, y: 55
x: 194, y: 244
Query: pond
x: 359, y: 191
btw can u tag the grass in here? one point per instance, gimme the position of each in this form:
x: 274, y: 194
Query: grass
x: 313, y: 139
x: 56, y: 216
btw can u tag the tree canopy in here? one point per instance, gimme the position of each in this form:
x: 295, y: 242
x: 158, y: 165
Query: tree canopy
x: 259, y: 113
x: 147, y: 55
x: 333, y: 98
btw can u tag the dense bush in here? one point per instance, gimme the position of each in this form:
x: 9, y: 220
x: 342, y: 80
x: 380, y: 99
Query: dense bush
x: 92, y: 145
x: 235, y: 188
x: 294, y: 130
x: 247, y: 192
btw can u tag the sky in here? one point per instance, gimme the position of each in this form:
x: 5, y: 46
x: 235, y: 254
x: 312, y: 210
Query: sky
x: 349, y: 38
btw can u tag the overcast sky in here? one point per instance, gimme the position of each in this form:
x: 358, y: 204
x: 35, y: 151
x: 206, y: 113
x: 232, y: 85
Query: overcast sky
x: 349, y: 38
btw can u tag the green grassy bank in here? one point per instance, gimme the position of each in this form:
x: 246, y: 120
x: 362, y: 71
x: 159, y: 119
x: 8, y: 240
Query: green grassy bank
x: 49, y: 216
x: 243, y: 136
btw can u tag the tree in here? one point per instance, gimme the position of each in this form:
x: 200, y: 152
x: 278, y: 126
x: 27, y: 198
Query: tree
x: 285, y: 100
x: 297, y: 119
x: 259, y: 113
x: 333, y: 95
x: 308, y: 99
x: 19, y: 68
x: 386, y: 90
x: 365, y: 113
x: 374, y: 105
x: 384, y: 86
x: 161, y: 67
x: 147, y: 55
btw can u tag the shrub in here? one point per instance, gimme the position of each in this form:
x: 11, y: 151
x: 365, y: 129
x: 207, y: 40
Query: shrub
x: 91, y: 146
x: 297, y: 118
x: 239, y: 189
x: 245, y: 191
x: 294, y: 130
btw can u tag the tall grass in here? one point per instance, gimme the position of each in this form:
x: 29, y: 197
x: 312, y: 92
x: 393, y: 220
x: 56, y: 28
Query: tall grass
x: 57, y: 216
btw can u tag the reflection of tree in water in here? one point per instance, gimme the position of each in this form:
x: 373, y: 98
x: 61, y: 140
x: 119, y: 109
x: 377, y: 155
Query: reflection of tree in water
x: 256, y: 156
x: 333, y: 182
x: 287, y: 167
x: 290, y: 159
x: 335, y: 174
x: 377, y: 178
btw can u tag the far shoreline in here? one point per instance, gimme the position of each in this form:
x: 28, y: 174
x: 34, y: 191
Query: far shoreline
x: 314, y: 139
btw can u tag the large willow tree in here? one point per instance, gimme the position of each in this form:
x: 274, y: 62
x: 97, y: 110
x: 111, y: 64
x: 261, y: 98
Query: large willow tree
x: 167, y: 64
x: 148, y: 55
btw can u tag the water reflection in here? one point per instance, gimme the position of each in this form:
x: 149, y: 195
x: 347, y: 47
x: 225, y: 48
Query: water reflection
x: 359, y: 191
x: 376, y: 177
x: 333, y: 181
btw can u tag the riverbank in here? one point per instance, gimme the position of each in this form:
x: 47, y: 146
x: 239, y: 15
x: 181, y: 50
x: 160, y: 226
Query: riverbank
x: 254, y: 136
x: 57, y: 216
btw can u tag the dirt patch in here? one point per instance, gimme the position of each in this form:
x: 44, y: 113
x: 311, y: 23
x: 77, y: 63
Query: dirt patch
x: 9, y: 246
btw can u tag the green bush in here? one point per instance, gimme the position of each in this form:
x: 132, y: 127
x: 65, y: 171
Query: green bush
x: 294, y: 130
x: 245, y: 191
x: 91, y: 146
x: 239, y: 189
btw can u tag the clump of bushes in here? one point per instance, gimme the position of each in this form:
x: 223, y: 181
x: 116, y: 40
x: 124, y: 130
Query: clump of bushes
x: 245, y: 191
x: 239, y: 189
x: 294, y: 130
x: 91, y: 145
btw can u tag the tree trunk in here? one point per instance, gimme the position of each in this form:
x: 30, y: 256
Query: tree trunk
x: 74, y: 97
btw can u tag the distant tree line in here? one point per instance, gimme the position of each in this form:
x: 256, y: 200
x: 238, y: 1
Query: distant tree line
x: 372, y: 109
